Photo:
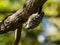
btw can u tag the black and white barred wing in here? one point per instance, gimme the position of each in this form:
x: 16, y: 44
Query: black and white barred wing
x: 34, y: 20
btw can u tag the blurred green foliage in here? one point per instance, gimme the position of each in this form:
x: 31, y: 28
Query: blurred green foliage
x: 7, y: 7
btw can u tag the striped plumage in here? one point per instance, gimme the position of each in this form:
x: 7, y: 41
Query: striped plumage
x: 34, y: 20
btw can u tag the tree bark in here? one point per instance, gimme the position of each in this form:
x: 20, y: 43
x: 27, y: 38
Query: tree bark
x: 21, y: 16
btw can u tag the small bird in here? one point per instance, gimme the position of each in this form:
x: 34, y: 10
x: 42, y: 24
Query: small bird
x: 34, y: 20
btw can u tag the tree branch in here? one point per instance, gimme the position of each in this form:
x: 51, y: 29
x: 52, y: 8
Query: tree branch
x: 21, y: 16
x: 18, y: 34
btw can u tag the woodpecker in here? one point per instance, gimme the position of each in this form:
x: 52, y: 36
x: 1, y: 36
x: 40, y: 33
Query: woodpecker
x: 34, y: 20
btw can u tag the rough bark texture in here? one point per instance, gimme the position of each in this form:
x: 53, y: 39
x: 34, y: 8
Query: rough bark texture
x: 21, y: 16
x: 16, y: 20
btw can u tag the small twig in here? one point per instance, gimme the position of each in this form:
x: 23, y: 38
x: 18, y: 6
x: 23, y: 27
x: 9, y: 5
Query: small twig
x: 18, y: 34
x: 15, y: 21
